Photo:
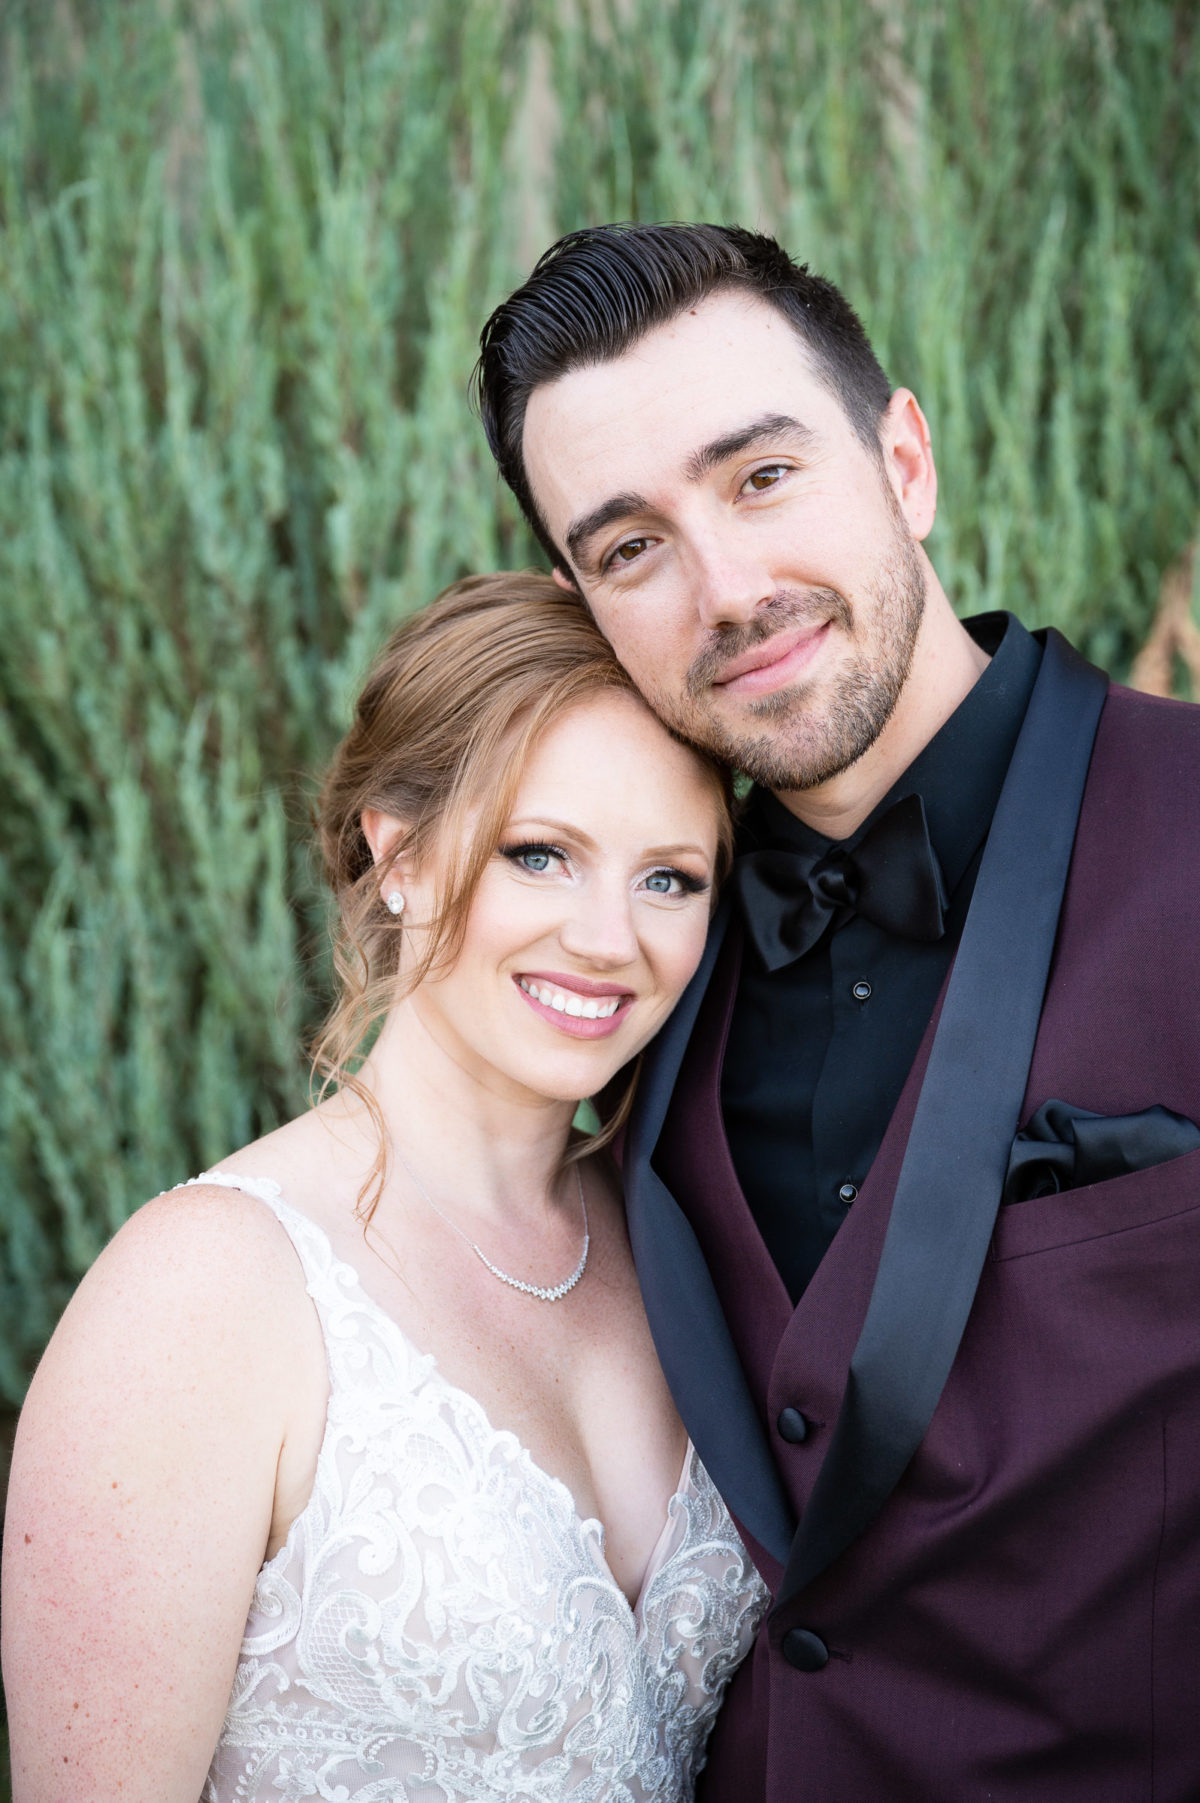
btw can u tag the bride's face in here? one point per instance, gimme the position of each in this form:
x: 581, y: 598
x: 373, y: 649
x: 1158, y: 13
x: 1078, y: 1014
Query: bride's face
x: 590, y: 917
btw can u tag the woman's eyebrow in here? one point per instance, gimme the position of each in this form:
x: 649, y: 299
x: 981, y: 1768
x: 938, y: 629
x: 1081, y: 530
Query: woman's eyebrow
x: 560, y: 829
x: 675, y: 851
x: 563, y: 829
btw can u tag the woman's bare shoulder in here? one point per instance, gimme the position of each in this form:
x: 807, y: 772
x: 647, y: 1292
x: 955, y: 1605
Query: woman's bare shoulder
x: 201, y: 1286
x: 224, y: 1230
x: 215, y: 1242
x: 144, y: 1482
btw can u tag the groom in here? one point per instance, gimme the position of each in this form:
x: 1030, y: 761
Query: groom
x: 913, y: 1177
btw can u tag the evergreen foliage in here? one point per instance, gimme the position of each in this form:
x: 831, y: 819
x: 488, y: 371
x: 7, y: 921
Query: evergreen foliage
x: 245, y: 250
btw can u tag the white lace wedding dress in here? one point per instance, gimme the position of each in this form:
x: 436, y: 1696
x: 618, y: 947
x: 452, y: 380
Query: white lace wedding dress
x: 441, y: 1626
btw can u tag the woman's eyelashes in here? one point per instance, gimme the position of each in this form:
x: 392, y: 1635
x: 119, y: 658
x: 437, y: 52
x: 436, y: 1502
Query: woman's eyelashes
x: 534, y: 856
x: 538, y: 858
x: 667, y: 880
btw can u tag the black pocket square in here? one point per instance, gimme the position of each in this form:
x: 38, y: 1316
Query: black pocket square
x: 1062, y: 1147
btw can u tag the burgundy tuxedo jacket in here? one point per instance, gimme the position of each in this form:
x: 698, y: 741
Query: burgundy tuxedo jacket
x: 1018, y: 1621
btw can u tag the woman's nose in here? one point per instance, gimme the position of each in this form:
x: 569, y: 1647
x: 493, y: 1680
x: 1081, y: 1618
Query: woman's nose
x: 599, y: 927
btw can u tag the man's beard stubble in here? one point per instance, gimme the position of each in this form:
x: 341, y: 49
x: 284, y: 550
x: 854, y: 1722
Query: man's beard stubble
x: 799, y: 750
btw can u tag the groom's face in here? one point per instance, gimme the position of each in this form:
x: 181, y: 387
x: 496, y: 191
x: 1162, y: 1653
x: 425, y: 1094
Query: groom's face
x: 752, y: 562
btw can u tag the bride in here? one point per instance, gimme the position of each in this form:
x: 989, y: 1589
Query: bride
x: 350, y: 1472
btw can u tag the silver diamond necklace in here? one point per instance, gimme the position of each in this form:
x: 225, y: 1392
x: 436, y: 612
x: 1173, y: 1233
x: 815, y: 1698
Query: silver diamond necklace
x: 558, y: 1291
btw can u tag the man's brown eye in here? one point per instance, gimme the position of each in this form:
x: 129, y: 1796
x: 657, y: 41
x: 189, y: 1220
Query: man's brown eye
x: 766, y: 478
x: 632, y: 548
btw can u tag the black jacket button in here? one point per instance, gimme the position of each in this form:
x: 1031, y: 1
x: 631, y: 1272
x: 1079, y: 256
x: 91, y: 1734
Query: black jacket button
x: 792, y: 1426
x: 804, y: 1650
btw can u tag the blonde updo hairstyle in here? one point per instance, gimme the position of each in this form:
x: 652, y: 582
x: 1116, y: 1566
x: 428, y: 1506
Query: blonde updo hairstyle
x: 444, y: 728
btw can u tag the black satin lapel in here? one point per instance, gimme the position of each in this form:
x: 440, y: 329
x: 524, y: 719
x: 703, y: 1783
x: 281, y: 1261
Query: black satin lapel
x: 949, y: 1188
x: 691, y: 1334
x: 701, y: 1363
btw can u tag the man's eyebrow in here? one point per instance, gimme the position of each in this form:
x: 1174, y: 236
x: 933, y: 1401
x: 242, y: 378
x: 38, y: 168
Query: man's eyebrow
x: 617, y: 507
x: 767, y: 429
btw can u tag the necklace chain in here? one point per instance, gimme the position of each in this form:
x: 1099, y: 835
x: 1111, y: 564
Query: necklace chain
x: 554, y: 1294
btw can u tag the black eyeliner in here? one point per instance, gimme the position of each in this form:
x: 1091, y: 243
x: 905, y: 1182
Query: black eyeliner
x: 528, y: 845
x: 691, y: 885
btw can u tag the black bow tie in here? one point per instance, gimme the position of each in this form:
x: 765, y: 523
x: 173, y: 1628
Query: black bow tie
x: 892, y: 877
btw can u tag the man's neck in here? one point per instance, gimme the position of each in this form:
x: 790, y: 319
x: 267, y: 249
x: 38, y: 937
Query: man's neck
x: 946, y: 665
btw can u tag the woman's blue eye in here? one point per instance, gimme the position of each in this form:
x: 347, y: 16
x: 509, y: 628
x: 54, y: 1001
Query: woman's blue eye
x: 537, y: 859
x: 675, y: 883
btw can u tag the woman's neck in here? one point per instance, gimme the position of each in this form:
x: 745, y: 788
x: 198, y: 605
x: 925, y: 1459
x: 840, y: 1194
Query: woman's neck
x: 464, y: 1131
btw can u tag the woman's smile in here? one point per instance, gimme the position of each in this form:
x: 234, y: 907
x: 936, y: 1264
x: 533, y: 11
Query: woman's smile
x: 576, y: 1005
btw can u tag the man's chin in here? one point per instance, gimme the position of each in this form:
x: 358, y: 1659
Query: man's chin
x: 790, y: 718
x: 783, y: 742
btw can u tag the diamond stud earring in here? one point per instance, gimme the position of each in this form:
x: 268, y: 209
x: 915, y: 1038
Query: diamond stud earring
x: 394, y: 902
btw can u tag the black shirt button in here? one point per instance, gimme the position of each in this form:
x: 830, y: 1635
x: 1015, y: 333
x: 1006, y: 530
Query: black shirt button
x: 792, y: 1426
x: 804, y: 1650
x: 847, y: 1193
x: 861, y: 991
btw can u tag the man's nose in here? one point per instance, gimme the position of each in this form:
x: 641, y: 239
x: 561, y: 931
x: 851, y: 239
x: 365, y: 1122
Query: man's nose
x: 729, y: 582
x: 599, y: 929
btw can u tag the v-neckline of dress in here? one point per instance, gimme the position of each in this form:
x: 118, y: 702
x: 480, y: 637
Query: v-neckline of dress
x: 582, y: 1524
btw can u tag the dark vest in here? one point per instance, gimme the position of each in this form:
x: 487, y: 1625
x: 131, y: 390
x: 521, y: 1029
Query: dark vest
x: 1020, y: 1622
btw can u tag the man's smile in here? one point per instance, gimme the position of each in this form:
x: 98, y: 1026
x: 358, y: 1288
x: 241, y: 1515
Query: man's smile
x: 775, y: 663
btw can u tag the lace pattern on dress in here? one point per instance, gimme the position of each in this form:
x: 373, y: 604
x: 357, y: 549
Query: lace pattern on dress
x: 441, y: 1625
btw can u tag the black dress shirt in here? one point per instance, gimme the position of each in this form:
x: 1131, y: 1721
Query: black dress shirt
x: 818, y: 1051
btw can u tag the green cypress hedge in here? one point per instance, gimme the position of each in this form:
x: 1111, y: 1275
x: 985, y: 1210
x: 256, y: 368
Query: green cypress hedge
x: 245, y: 250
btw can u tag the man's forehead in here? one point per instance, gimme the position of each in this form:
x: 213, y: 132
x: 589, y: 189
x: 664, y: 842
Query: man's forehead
x: 699, y: 376
x: 699, y: 347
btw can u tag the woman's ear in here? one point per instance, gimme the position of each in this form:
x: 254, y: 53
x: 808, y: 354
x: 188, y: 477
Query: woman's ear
x: 394, y: 865
x: 383, y: 833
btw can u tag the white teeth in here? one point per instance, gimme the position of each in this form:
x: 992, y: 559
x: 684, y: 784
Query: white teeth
x: 574, y: 1005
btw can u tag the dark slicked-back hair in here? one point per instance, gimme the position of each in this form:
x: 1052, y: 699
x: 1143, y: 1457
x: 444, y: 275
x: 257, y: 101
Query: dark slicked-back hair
x: 596, y: 292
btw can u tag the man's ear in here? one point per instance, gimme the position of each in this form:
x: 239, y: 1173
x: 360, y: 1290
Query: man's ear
x: 564, y: 580
x: 908, y: 460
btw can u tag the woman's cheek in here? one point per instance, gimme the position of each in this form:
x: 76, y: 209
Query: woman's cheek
x: 681, y: 951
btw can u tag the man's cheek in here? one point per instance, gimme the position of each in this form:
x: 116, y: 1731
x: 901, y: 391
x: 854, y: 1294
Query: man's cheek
x: 656, y: 644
